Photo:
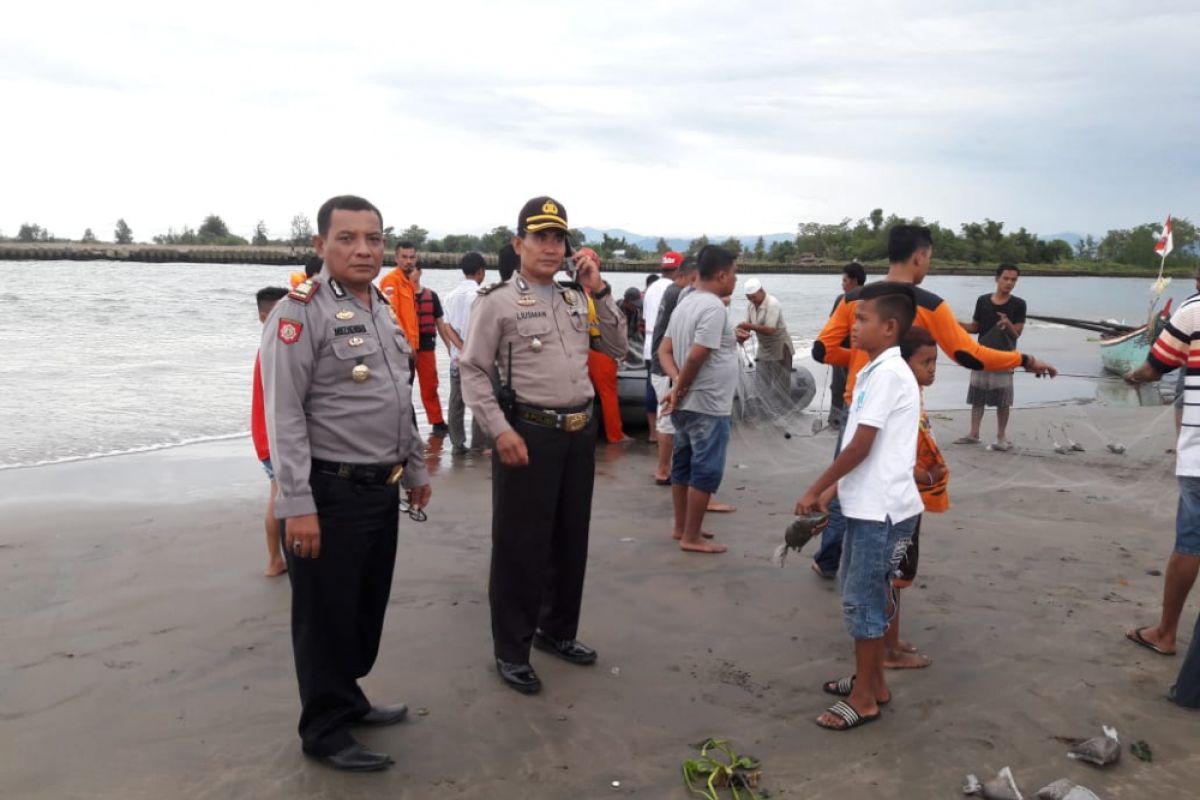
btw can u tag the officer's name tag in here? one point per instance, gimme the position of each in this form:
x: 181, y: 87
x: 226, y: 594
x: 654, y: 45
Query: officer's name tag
x: 531, y: 314
x: 344, y: 330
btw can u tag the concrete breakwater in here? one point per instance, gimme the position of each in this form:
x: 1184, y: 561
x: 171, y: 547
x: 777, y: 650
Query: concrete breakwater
x: 297, y: 256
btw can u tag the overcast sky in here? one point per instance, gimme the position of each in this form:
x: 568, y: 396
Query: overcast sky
x: 663, y: 117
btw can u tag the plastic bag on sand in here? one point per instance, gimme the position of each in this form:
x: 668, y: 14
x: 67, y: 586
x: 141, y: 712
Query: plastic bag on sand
x: 1001, y: 787
x: 1065, y: 790
x: 1101, y: 751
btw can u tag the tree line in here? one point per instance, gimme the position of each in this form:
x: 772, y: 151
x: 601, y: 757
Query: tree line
x: 864, y: 239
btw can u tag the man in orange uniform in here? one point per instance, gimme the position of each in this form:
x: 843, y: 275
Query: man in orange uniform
x: 602, y: 371
x: 910, y: 251
x: 401, y: 292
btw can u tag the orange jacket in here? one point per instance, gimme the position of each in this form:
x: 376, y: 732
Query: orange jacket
x: 932, y: 314
x: 936, y: 497
x: 399, y: 289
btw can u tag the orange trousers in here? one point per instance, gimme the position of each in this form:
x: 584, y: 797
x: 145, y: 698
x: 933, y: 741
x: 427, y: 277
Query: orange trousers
x: 602, y: 370
x: 427, y: 375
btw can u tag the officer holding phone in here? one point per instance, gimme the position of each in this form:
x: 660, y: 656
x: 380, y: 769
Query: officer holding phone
x: 531, y: 333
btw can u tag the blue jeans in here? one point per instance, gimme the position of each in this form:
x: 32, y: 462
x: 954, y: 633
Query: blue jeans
x: 1187, y: 517
x: 829, y: 554
x: 698, y: 458
x: 871, y: 554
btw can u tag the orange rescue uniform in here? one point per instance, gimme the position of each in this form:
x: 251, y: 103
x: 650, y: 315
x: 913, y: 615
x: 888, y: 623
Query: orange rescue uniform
x: 933, y: 314
x: 399, y: 290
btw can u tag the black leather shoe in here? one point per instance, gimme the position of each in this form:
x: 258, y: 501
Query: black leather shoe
x: 384, y: 715
x: 519, y: 676
x: 441, y: 429
x: 567, y: 649
x: 357, y: 758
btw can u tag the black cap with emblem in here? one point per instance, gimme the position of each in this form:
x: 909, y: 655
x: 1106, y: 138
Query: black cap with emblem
x: 544, y: 214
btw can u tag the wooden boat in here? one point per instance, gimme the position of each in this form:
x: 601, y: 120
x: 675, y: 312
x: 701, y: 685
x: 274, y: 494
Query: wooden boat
x: 1122, y: 354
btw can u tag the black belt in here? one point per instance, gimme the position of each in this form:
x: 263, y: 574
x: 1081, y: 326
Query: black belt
x: 374, y: 474
x: 569, y: 420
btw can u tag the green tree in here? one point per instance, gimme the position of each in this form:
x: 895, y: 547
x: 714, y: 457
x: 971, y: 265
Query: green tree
x: 760, y: 249
x: 661, y: 246
x: 733, y: 245
x: 1085, y: 248
x: 123, y: 234
x: 32, y: 233
x: 302, y: 231
x: 876, y: 219
x: 696, y: 245
x: 577, y: 236
x: 415, y: 234
x: 260, y: 235
x: 463, y: 243
x: 783, y: 252
x: 213, y: 227
x: 496, y: 238
x: 88, y: 236
x: 635, y: 253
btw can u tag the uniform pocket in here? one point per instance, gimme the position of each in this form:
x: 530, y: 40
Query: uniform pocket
x: 403, y: 344
x: 534, y: 326
x: 347, y: 352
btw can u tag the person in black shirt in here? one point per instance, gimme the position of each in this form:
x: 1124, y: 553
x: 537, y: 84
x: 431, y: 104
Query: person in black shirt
x: 999, y: 320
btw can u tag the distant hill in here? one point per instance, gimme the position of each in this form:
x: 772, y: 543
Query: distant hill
x: 680, y: 242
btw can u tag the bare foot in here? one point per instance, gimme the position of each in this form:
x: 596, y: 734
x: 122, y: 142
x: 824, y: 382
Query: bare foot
x: 906, y: 647
x: 275, y: 569
x: 720, y: 508
x: 677, y: 536
x: 899, y: 659
x: 652, y: 440
x: 702, y: 547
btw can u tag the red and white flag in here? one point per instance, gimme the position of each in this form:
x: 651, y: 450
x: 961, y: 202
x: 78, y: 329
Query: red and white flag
x: 1166, y: 240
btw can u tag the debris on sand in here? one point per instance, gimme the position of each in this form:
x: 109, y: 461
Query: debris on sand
x: 1001, y: 787
x: 1141, y: 751
x: 1066, y: 790
x: 1101, y: 750
x: 1116, y: 447
x: 707, y: 776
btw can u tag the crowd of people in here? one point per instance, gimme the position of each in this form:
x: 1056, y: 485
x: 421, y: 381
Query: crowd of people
x: 335, y: 428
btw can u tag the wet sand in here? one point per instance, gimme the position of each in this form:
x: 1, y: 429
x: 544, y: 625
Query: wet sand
x: 144, y: 655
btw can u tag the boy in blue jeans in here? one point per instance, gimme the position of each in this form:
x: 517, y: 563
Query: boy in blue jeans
x: 873, y: 480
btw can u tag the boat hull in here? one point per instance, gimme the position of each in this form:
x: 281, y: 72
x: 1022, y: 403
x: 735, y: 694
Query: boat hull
x: 1123, y: 354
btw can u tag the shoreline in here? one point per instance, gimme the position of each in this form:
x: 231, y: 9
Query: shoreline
x: 142, y: 639
x: 285, y: 255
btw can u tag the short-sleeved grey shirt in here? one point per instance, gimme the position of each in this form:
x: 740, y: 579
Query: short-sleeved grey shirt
x: 701, y: 318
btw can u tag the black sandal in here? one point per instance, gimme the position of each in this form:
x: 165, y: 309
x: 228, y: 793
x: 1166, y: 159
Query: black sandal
x: 842, y: 687
x: 847, y: 714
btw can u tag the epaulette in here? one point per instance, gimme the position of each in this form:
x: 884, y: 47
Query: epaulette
x: 576, y: 285
x: 306, y: 291
x: 492, y: 287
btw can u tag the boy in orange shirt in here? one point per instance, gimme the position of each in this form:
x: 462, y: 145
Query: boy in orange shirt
x: 919, y: 349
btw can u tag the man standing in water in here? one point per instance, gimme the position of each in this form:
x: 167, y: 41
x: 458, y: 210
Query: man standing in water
x: 999, y: 320
x: 534, y: 333
x: 338, y: 385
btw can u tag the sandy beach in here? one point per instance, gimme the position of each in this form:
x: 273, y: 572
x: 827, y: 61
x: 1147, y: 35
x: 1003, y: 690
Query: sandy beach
x: 145, y: 655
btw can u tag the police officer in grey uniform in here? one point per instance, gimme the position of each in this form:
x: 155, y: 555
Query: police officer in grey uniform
x: 337, y: 376
x: 533, y: 333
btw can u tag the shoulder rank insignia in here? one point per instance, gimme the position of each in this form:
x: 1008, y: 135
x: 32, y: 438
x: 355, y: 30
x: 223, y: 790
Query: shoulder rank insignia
x: 305, y: 292
x: 492, y: 287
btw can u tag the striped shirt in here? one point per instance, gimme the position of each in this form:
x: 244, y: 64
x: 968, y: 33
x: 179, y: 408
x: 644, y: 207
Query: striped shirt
x: 1179, y: 346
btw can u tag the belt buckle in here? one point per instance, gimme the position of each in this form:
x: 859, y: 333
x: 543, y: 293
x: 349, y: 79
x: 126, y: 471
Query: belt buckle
x: 345, y: 471
x: 575, y: 422
x: 394, y: 476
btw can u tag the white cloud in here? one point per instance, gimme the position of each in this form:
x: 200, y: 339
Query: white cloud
x: 660, y: 117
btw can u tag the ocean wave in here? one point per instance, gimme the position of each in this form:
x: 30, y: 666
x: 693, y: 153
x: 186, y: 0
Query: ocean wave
x: 149, y: 448
x: 6, y: 297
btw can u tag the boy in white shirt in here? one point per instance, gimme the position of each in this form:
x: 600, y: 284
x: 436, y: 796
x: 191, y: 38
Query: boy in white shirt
x: 873, y: 476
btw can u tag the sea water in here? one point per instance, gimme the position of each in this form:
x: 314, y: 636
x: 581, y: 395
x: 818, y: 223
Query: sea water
x: 99, y: 358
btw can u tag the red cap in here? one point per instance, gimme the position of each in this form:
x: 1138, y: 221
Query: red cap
x: 671, y: 261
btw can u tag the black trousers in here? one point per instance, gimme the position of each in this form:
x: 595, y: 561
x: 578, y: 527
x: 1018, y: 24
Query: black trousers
x: 1187, y: 685
x: 338, y: 604
x: 540, y: 519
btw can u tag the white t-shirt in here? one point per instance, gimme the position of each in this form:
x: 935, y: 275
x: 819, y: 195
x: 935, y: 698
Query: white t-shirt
x: 651, y: 299
x: 456, y: 311
x: 886, y: 397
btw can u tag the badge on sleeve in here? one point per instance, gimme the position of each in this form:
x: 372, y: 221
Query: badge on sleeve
x: 289, y: 330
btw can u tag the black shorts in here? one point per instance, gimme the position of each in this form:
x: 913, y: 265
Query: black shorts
x: 906, y: 573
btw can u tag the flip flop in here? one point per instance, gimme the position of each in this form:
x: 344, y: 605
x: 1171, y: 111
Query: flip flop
x: 721, y: 508
x: 848, y: 715
x: 842, y: 687
x: 966, y: 440
x: 826, y: 575
x: 1137, y: 638
x: 1001, y: 447
x: 662, y: 481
